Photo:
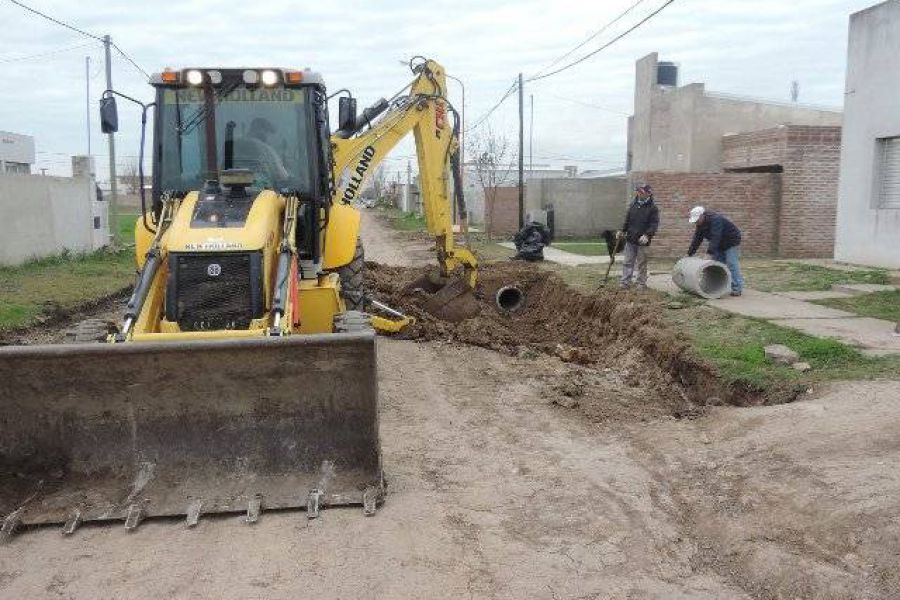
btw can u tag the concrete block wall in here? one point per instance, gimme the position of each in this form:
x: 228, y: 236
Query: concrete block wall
x: 582, y: 207
x: 43, y: 216
x: 748, y: 199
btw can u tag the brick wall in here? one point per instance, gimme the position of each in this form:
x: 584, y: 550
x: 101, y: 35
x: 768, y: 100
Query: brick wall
x: 809, y: 158
x: 750, y: 200
x: 501, y: 211
x: 809, y: 195
x: 754, y: 149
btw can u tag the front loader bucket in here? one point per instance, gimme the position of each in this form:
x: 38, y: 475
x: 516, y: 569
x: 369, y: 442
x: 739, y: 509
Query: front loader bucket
x: 134, y: 430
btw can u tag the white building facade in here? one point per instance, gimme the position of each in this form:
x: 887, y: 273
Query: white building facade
x: 868, y: 214
x: 16, y: 153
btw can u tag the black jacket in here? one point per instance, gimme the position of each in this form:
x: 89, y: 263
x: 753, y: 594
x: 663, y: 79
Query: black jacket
x: 641, y: 220
x: 721, y: 233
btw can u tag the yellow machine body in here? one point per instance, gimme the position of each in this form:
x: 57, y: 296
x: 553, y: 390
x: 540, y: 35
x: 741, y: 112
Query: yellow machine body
x: 238, y: 380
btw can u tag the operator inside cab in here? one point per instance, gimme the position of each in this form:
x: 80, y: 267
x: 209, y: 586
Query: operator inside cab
x: 226, y: 119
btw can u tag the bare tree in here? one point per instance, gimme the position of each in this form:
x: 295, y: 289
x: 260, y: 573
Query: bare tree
x: 493, y: 168
x: 378, y: 183
x: 131, y: 177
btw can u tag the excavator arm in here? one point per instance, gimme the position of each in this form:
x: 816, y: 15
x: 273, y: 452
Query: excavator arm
x: 426, y: 112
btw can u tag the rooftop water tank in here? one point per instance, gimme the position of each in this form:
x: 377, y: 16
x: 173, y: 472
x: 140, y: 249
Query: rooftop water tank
x: 667, y: 74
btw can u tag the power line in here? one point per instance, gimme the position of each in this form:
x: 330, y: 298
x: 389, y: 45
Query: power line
x: 57, y: 21
x: 590, y: 105
x: 82, y: 32
x: 46, y: 54
x: 484, y: 117
x: 591, y: 37
x: 129, y: 59
x: 604, y: 46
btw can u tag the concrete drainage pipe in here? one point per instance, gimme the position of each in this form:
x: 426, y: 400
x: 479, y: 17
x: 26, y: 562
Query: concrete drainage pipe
x: 707, y: 278
x: 509, y: 298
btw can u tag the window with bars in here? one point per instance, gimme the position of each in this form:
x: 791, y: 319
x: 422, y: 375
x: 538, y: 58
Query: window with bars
x: 887, y: 185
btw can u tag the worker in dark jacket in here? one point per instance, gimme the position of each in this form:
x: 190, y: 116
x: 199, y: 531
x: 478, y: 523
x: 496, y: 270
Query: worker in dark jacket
x: 641, y: 223
x: 724, y: 242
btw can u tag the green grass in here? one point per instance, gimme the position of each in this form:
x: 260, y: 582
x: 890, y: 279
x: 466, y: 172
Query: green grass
x: 126, y: 227
x: 771, y: 276
x: 403, y: 221
x: 879, y: 305
x: 735, y: 345
x: 487, y: 250
x: 63, y: 282
x: 583, y: 248
x: 564, y: 239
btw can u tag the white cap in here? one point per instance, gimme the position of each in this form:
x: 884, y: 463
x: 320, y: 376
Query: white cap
x: 696, y: 213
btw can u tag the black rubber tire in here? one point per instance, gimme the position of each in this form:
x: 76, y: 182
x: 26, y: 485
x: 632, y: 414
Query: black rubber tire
x: 353, y: 280
x: 90, y: 331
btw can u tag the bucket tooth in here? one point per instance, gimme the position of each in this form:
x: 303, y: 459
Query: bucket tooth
x: 193, y: 513
x: 313, y: 501
x: 371, y: 496
x: 72, y: 523
x: 134, y: 516
x: 254, y: 508
x: 10, y: 525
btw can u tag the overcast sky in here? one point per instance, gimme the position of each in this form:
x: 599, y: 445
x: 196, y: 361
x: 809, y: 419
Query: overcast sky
x: 744, y: 47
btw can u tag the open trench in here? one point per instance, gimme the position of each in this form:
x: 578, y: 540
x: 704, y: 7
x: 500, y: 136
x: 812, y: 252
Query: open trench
x: 623, y: 358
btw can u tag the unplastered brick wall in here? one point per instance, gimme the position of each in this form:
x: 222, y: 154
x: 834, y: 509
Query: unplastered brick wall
x: 764, y: 148
x: 809, y: 158
x: 748, y: 199
x: 501, y: 211
x: 809, y: 192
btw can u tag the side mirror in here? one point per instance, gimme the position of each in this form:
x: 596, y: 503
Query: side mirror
x: 109, y: 115
x: 346, y: 113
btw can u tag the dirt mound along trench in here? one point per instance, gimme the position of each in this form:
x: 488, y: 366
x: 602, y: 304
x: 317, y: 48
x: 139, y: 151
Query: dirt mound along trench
x: 606, y: 331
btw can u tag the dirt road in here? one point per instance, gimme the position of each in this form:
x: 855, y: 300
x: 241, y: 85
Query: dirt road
x: 496, y: 493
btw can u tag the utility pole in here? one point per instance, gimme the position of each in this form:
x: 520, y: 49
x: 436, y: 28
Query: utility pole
x: 87, y: 99
x: 531, y: 137
x: 113, y: 200
x: 407, y: 200
x: 521, y: 154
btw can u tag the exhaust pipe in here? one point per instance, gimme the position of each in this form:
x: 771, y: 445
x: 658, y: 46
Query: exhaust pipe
x: 510, y: 298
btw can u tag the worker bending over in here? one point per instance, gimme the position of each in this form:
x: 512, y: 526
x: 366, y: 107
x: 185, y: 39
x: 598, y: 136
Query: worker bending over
x: 724, y: 242
x: 641, y: 223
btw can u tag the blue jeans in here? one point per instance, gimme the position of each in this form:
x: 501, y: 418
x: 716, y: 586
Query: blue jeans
x: 732, y: 259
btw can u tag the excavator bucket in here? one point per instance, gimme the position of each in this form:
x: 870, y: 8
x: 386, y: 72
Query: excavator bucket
x: 447, y: 298
x: 135, y: 430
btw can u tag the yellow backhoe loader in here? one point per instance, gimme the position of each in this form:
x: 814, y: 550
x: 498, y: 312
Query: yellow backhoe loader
x: 242, y: 376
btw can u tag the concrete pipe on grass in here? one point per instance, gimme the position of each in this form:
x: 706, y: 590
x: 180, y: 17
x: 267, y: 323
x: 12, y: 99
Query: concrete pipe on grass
x: 706, y: 278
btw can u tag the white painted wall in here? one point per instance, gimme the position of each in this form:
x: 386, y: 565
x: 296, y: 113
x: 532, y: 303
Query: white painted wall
x: 865, y: 233
x: 16, y: 147
x: 42, y: 216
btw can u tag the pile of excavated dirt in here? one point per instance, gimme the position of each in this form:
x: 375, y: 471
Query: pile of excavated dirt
x: 618, y: 338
